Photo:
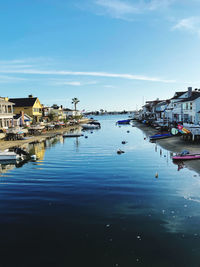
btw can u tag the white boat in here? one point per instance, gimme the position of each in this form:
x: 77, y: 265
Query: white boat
x: 8, y: 155
x: 90, y: 126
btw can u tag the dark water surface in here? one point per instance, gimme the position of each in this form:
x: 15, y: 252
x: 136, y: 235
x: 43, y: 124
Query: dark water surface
x: 82, y: 204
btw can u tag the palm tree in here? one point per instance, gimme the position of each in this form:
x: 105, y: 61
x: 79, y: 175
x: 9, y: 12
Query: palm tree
x: 75, y: 101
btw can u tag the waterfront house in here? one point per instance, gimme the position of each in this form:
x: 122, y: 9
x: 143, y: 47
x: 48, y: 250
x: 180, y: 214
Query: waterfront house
x: 149, y: 109
x: 71, y: 113
x: 57, y: 113
x: 174, y: 111
x: 22, y: 120
x: 30, y: 106
x: 6, y: 112
x: 190, y: 107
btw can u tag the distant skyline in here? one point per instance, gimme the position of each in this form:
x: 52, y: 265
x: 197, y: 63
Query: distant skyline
x: 111, y: 54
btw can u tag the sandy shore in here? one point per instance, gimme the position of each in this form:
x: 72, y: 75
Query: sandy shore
x: 175, y: 144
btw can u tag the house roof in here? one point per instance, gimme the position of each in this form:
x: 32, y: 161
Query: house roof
x: 5, y: 102
x: 178, y: 94
x: 67, y: 109
x: 195, y: 95
x: 23, y: 102
x: 17, y: 116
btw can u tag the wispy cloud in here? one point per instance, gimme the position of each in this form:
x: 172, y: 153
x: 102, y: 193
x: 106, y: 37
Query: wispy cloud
x: 71, y: 83
x: 10, y: 79
x: 126, y: 9
x: 90, y: 74
x: 191, y: 24
x: 116, y: 8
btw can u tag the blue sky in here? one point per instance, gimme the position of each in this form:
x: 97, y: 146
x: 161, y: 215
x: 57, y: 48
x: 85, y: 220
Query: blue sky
x: 111, y: 54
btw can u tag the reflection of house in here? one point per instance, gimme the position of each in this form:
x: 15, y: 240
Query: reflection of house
x: 71, y: 113
x: 22, y: 119
x: 38, y: 150
x: 6, y: 113
x: 30, y: 106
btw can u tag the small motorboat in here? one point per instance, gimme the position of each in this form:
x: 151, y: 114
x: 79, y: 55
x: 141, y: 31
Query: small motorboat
x: 185, y: 155
x: 160, y: 136
x: 72, y: 134
x: 123, y: 122
x: 94, y: 122
x: 90, y: 126
x: 9, y: 155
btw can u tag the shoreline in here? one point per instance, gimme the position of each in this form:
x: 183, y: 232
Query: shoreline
x: 39, y: 138
x: 175, y: 145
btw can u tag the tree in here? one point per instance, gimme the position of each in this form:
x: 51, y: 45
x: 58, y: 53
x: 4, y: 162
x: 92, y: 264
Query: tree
x: 75, y: 101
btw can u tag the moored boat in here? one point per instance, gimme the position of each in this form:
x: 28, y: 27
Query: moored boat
x: 123, y: 122
x: 90, y: 126
x: 186, y: 155
x: 8, y: 155
x: 160, y: 136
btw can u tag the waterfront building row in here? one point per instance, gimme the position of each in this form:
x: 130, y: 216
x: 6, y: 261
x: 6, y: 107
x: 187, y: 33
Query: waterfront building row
x: 183, y: 107
x: 25, y: 111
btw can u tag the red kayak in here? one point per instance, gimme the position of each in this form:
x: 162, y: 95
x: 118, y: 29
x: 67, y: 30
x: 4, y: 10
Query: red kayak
x: 186, y: 157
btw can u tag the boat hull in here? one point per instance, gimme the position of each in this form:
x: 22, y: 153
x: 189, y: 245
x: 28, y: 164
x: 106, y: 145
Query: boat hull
x: 124, y: 122
x: 160, y: 136
x: 187, y: 157
x: 8, y: 156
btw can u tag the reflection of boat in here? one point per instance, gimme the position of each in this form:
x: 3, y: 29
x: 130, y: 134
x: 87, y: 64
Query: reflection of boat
x: 8, y: 155
x: 72, y: 135
x: 123, y: 122
x: 186, y: 157
x: 160, y: 136
x: 90, y: 126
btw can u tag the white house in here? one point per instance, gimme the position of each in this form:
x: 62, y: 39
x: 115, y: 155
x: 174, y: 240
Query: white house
x: 191, y: 108
x: 6, y: 113
x: 71, y: 113
x: 174, y: 110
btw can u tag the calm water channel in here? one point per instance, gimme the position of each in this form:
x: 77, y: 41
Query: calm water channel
x: 82, y: 204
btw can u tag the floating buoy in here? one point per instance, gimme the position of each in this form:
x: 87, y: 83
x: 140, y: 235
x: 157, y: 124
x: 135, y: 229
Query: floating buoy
x: 91, y: 132
x: 86, y: 136
x: 33, y: 157
x: 119, y: 151
x: 144, y: 138
x: 156, y: 175
x: 128, y: 131
x: 124, y: 142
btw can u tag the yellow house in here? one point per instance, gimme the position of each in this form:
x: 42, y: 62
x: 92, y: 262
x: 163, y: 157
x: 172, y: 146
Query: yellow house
x: 30, y: 106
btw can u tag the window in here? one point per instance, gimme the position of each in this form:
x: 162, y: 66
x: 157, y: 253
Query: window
x: 190, y: 105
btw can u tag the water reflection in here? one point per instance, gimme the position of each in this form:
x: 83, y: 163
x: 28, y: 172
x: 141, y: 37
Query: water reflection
x: 6, y: 166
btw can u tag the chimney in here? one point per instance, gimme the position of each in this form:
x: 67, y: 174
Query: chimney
x: 22, y: 119
x: 189, y: 91
x: 30, y: 96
